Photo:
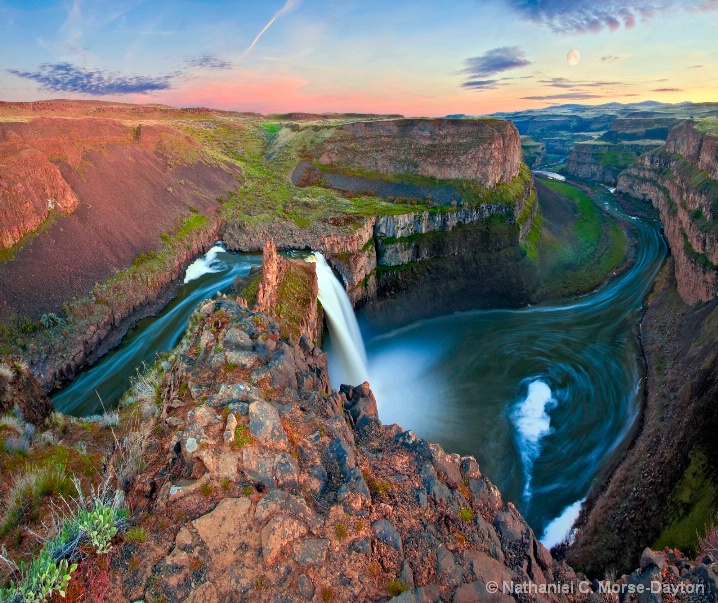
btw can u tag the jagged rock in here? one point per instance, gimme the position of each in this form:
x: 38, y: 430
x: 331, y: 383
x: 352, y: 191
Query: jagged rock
x: 486, y: 568
x: 651, y: 558
x: 236, y: 338
x: 343, y: 455
x: 280, y: 532
x: 229, y: 429
x: 221, y: 529
x: 241, y: 358
x: 448, y: 571
x: 434, y: 487
x: 266, y: 426
x: 510, y: 525
x: 238, y: 392
x: 305, y: 587
x: 384, y: 531
x: 311, y: 552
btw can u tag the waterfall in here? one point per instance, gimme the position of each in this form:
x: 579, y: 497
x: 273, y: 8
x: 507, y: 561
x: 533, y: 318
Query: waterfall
x: 343, y: 328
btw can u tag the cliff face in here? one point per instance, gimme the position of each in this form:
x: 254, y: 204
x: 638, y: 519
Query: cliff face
x: 665, y: 490
x: 486, y: 151
x: 604, y: 161
x: 122, y: 187
x: 681, y: 181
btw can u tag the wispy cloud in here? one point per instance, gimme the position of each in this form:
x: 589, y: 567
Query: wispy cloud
x: 564, y: 96
x: 610, y: 58
x: 562, y: 82
x: 667, y: 90
x: 481, y: 84
x: 288, y: 6
x: 65, y: 77
x: 696, y: 66
x: 496, y: 61
x: 589, y: 16
x: 209, y: 61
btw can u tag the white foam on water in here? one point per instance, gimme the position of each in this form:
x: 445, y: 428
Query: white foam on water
x: 207, y: 264
x: 343, y: 326
x: 532, y: 423
x: 560, y: 528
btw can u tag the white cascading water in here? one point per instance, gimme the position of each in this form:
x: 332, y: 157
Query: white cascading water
x: 206, y: 264
x: 343, y: 326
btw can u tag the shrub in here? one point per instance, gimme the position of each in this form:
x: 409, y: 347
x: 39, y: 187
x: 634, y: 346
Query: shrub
x: 29, y: 488
x: 135, y: 534
x: 466, y: 514
x: 100, y: 524
x: 41, y: 579
x: 708, y: 543
x: 341, y: 531
x: 395, y: 587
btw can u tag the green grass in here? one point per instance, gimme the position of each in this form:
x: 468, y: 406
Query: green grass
x: 585, y: 253
x: 691, y: 506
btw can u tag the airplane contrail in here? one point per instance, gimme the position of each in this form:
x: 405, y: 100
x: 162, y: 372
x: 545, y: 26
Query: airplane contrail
x: 288, y: 5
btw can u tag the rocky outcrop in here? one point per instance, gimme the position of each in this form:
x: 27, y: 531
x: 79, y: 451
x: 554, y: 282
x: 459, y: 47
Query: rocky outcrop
x: 681, y: 181
x: 288, y: 490
x: 288, y: 290
x: 19, y: 390
x: 487, y: 151
x: 604, y: 161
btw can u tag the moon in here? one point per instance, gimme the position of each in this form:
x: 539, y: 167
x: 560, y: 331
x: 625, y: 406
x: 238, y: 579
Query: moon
x: 573, y: 57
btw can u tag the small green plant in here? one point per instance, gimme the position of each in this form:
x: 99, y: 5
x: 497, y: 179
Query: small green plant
x: 100, y: 524
x: 242, y: 436
x: 136, y: 534
x: 40, y: 580
x: 225, y: 484
x: 248, y: 490
x: 327, y: 594
x: 466, y: 514
x: 206, y: 490
x: 395, y: 587
x: 340, y: 530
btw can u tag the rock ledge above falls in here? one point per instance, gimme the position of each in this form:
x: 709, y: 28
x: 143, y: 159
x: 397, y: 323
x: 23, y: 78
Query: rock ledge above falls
x: 290, y: 491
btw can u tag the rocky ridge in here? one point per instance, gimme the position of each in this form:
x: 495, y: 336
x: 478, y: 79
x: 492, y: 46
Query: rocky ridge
x: 681, y: 181
x: 265, y: 484
x: 292, y: 491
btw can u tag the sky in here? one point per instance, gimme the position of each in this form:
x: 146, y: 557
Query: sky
x: 414, y: 57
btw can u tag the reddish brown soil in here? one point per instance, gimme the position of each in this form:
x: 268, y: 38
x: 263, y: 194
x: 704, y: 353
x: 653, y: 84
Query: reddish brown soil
x: 128, y: 198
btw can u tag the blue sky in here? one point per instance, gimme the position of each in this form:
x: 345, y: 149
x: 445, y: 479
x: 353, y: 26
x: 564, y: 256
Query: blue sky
x: 413, y: 57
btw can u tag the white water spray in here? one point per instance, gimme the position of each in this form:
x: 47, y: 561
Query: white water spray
x: 342, y: 323
x: 206, y: 264
x: 533, y: 423
x: 560, y: 528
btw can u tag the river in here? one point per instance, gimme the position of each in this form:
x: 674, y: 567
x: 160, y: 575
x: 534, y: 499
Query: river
x: 541, y: 396
x: 110, y: 377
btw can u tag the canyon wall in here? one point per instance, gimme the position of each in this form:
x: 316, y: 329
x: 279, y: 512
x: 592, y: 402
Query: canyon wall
x: 117, y: 189
x: 604, y: 161
x: 681, y: 180
x: 487, y: 151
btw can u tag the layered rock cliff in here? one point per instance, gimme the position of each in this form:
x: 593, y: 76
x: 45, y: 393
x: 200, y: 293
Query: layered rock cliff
x: 681, y: 180
x: 487, y: 151
x: 603, y: 161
